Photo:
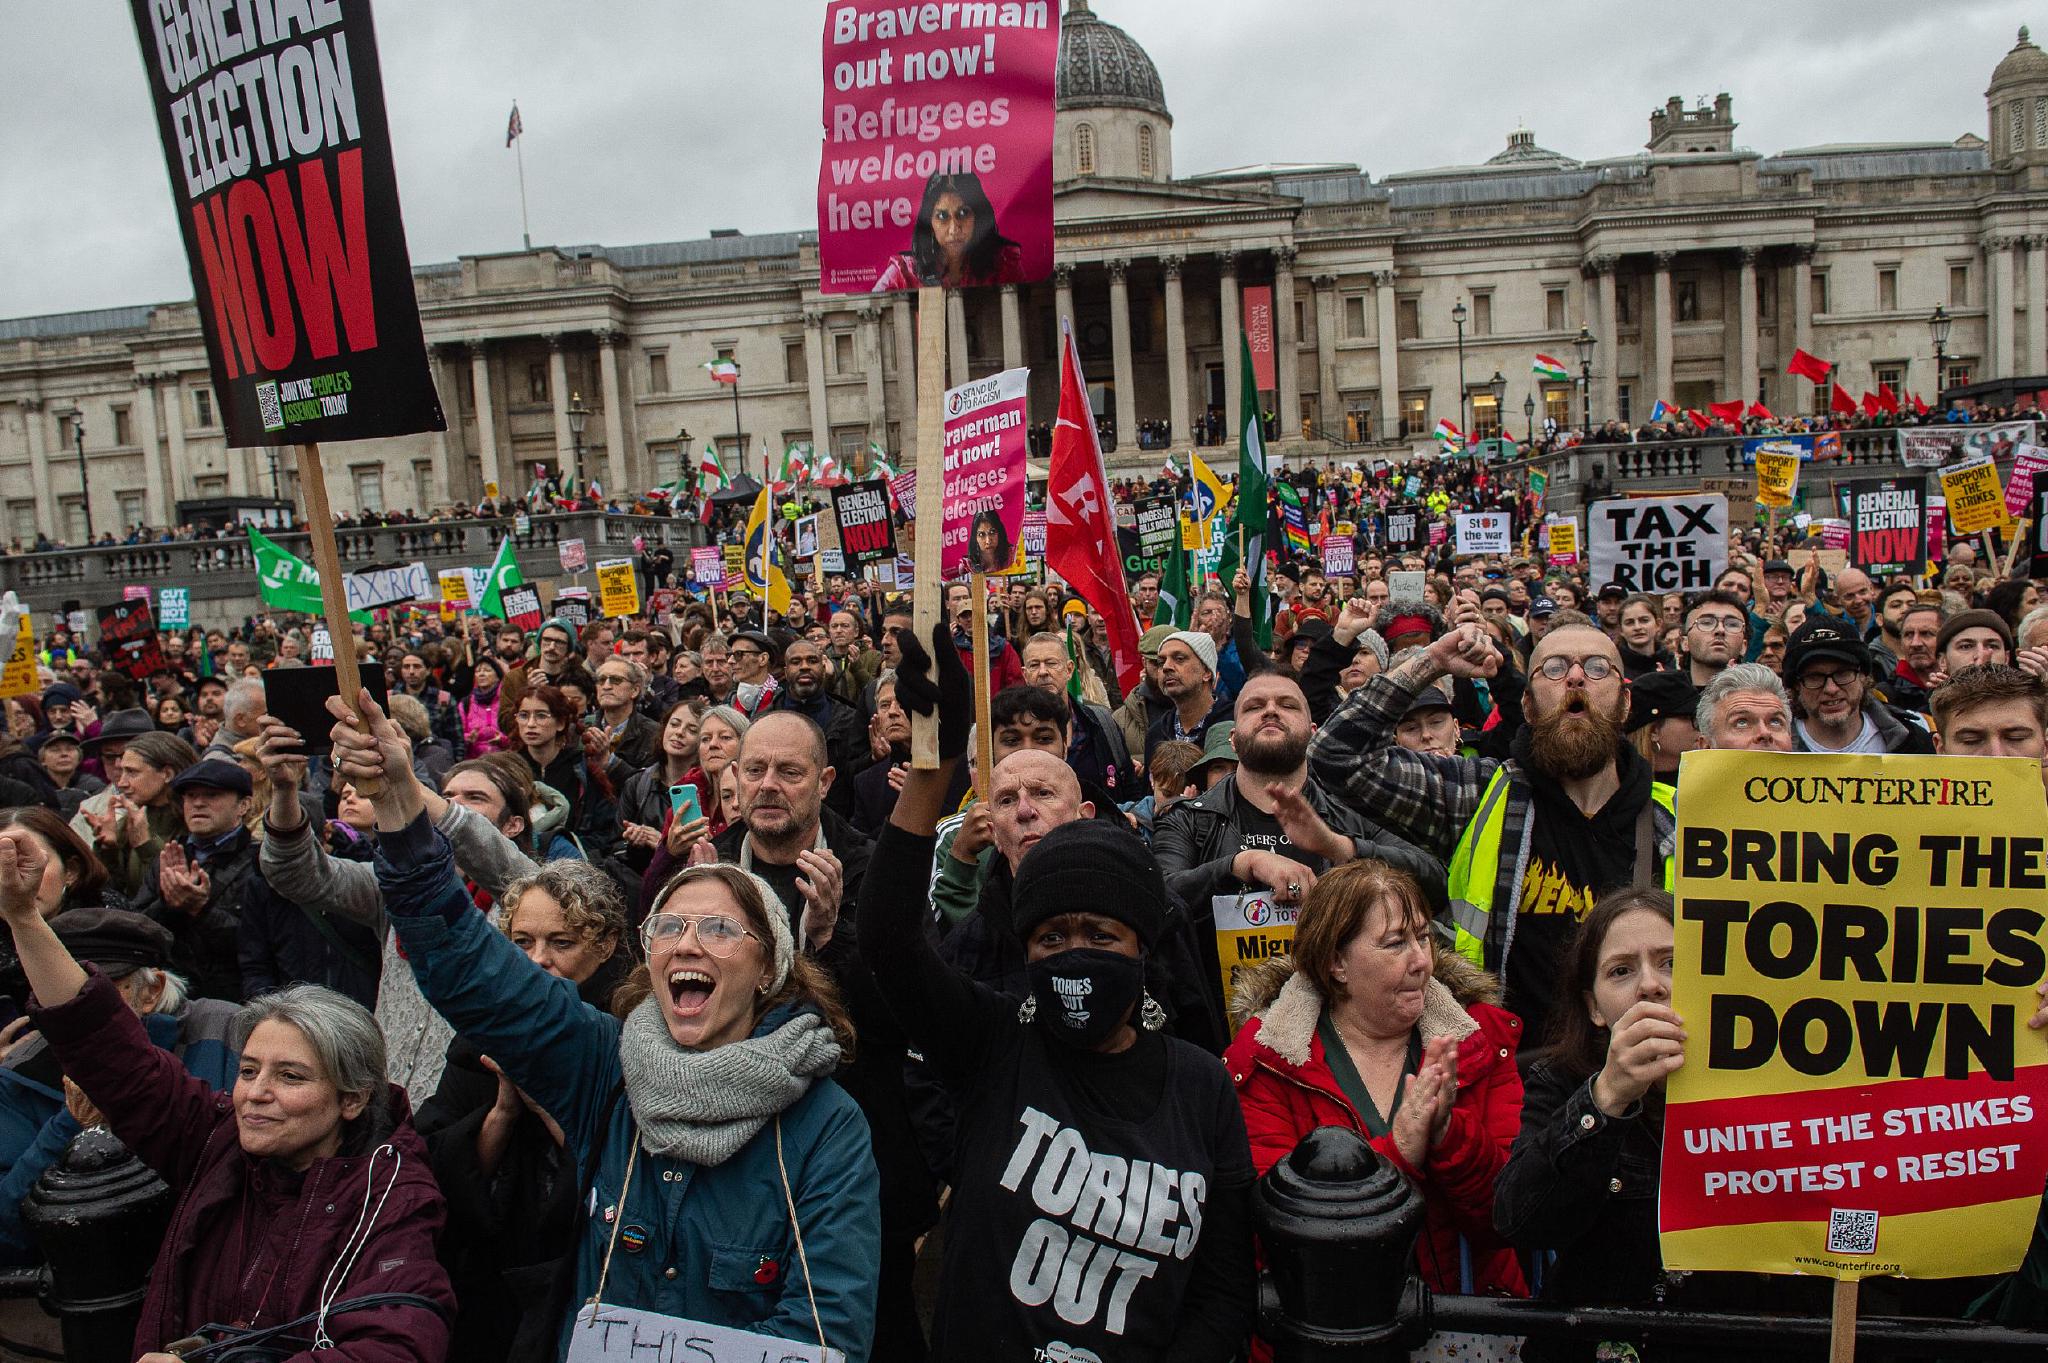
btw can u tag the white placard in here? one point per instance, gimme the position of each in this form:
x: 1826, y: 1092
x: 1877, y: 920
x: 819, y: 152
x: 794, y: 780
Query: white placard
x: 624, y: 1334
x: 1484, y: 532
x: 1659, y: 544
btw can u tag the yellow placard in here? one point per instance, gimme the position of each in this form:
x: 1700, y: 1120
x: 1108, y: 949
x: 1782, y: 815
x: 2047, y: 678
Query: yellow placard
x: 1250, y: 929
x: 618, y: 588
x: 455, y: 588
x: 1564, y: 542
x: 18, y: 677
x: 735, y: 565
x: 1777, y: 473
x: 1859, y: 940
x: 1976, y: 499
x: 491, y: 491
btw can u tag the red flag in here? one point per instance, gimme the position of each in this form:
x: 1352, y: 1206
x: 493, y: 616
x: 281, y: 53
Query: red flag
x: 1808, y: 367
x: 1919, y: 407
x: 1692, y: 414
x: 1761, y: 412
x: 1887, y: 399
x: 1080, y: 527
x: 1727, y: 411
x: 1841, y: 402
x: 1871, y: 406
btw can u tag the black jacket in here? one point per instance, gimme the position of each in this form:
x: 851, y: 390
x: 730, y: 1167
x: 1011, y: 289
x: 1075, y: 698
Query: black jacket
x: 1097, y: 751
x: 204, y: 945
x: 846, y: 743
x: 1162, y: 729
x: 280, y: 943
x: 638, y: 743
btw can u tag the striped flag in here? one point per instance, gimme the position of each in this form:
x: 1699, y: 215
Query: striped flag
x: 1663, y: 411
x: 513, y: 127
x: 1449, y: 436
x: 1547, y: 367
x: 878, y: 461
x: 723, y: 371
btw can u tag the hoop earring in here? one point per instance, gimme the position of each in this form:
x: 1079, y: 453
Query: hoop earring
x: 1028, y: 1010
x: 1151, y: 1016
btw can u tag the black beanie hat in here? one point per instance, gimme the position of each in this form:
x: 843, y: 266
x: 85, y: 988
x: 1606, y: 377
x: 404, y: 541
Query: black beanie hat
x: 1090, y: 866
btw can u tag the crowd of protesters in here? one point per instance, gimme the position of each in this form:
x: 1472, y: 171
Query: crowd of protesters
x: 635, y: 961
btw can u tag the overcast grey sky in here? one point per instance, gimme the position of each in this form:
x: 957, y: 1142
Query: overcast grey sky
x: 656, y: 120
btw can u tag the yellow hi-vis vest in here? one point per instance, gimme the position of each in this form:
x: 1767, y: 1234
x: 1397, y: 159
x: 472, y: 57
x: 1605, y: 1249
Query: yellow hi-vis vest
x: 1475, y: 865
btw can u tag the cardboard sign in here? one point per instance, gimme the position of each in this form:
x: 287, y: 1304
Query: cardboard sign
x: 1158, y: 524
x: 174, y: 607
x: 618, y: 587
x: 1250, y: 930
x: 2027, y: 463
x: 298, y: 696
x: 1859, y: 940
x: 1340, y: 556
x: 735, y: 566
x: 806, y: 537
x: 455, y: 588
x: 1485, y: 532
x: 388, y: 586
x: 18, y: 676
x: 1777, y: 473
x: 574, y: 554
x: 626, y: 1334
x: 1976, y: 501
x: 1887, y: 520
x: 522, y: 607
x: 832, y: 561
x: 707, y: 566
x: 1659, y: 544
x: 128, y: 639
x: 922, y: 103
x: 291, y: 222
x: 1563, y: 549
x: 866, y: 533
x: 983, y: 503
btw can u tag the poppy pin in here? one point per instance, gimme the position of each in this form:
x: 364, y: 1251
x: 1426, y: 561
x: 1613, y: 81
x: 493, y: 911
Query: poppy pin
x: 767, y: 1271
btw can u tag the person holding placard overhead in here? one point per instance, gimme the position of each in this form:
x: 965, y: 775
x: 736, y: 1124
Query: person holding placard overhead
x: 730, y: 1178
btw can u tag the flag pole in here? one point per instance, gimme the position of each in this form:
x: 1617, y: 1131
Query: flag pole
x: 333, y: 589
x: 927, y: 606
x: 519, y: 152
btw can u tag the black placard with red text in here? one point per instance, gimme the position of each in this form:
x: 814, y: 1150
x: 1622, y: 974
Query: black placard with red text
x: 274, y: 133
x: 866, y: 534
x: 128, y: 639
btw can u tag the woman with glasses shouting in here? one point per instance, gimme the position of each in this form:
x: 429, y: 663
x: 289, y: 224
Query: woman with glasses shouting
x: 730, y: 1180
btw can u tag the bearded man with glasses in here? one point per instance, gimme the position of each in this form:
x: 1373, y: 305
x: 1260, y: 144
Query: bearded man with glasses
x: 1530, y: 841
x: 1828, y: 670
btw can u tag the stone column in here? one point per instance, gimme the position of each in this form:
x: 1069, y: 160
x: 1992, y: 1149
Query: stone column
x: 1747, y: 344
x: 956, y: 338
x: 870, y: 316
x: 1661, y: 314
x: 1802, y: 319
x: 1063, y: 303
x: 1286, y: 345
x: 39, y: 469
x: 1609, y: 355
x: 814, y: 373
x: 174, y: 427
x: 1013, y: 329
x: 1389, y: 413
x: 1125, y: 381
x: 158, y: 506
x: 2037, y: 308
x: 1233, y: 347
x: 1327, y: 322
x: 2002, y: 307
x: 617, y: 465
x: 558, y: 391
x: 904, y: 325
x: 443, y: 359
x: 1179, y: 417
x: 486, y: 415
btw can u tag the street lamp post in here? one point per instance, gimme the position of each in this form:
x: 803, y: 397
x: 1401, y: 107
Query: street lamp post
x: 1458, y: 317
x: 1529, y: 419
x: 1498, y: 386
x: 77, y: 415
x: 578, y: 415
x: 682, y: 455
x: 1585, y: 343
x: 1938, y: 326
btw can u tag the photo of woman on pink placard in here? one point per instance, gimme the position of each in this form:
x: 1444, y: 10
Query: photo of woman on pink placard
x: 954, y: 241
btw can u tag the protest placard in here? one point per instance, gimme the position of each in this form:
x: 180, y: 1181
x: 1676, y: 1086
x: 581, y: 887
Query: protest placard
x: 1659, y: 544
x: 735, y: 566
x: 1158, y: 523
x: 575, y: 555
x: 2027, y: 463
x: 930, y: 109
x: 865, y: 531
x: 1563, y: 550
x: 1821, y: 445
x: 321, y: 649
x: 806, y: 537
x: 573, y: 604
x: 983, y: 502
x: 1887, y: 522
x: 455, y: 588
x: 1250, y: 930
x: 1932, y: 446
x: 832, y: 561
x: 522, y: 607
x: 618, y: 587
x: 387, y: 586
x: 1859, y: 940
x: 1937, y: 527
x: 1407, y: 527
x: 1834, y: 535
x: 1340, y: 556
x: 1034, y: 534
x: 291, y: 223
x: 173, y: 607
x: 18, y: 676
x: 606, y: 1333
x: 707, y: 565
x: 128, y: 639
x: 1777, y: 472
x: 903, y: 487
x: 1976, y: 501
x: 135, y: 592
x: 1484, y: 532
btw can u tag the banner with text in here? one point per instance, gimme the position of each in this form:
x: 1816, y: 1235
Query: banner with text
x: 1861, y: 1095
x: 618, y: 588
x: 1777, y: 472
x: 1822, y: 445
x: 937, y: 165
x: 1887, y: 523
x: 1928, y: 447
x: 1658, y: 544
x: 983, y: 501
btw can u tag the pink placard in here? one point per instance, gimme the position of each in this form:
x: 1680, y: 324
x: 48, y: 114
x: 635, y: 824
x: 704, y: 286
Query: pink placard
x: 983, y: 502
x: 929, y: 110
x: 2027, y: 463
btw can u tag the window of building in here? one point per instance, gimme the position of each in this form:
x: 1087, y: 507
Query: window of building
x: 67, y: 430
x: 72, y: 510
x: 1888, y: 289
x: 657, y: 371
x: 1621, y: 405
x: 1357, y: 318
x: 124, y: 432
x: 2016, y: 140
x: 1557, y: 404
x: 1482, y: 314
x: 1084, y: 149
x: 422, y: 484
x: 1145, y: 151
x: 202, y: 407
x: 848, y: 441
x: 732, y: 452
x: 1624, y: 303
x: 1408, y: 319
x: 792, y: 361
x: 1485, y: 415
x: 1301, y: 323
x: 1959, y: 371
x: 537, y: 381
x: 842, y: 352
x: 1359, y: 419
x: 1817, y: 300
x: 1414, y: 415
x: 1553, y: 309
x: 1686, y: 299
x: 369, y: 481
x: 131, y: 506
x: 21, y: 521
x: 1893, y: 374
x: 1958, y: 286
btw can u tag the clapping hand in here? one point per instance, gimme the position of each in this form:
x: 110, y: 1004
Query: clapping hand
x: 1426, y: 1102
x: 183, y: 883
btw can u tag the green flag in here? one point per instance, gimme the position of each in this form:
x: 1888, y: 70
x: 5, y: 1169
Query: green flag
x: 504, y: 575
x: 283, y: 579
x: 1248, y: 508
x: 1176, y: 596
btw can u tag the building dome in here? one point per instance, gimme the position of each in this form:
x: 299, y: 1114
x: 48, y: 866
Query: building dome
x: 1522, y: 153
x: 2025, y: 63
x: 1101, y: 66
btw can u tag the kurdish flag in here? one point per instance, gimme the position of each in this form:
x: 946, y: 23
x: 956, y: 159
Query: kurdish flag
x: 723, y: 371
x: 1547, y: 367
x: 1449, y: 436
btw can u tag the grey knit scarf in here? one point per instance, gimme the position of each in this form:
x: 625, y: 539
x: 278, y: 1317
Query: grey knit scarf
x: 702, y: 1106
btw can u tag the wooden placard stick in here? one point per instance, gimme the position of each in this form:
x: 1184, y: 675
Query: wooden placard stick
x: 333, y: 589
x: 1842, y: 1323
x: 929, y: 604
x: 984, y: 731
x: 2019, y: 533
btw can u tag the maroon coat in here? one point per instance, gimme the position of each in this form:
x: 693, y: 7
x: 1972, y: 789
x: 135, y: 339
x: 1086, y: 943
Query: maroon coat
x: 249, y: 1241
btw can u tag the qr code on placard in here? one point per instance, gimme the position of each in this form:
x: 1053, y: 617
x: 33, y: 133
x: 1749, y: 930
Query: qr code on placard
x: 268, y: 407
x: 1852, y: 1232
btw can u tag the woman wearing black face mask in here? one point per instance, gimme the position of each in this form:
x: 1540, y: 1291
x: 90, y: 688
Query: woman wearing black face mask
x: 1101, y: 1166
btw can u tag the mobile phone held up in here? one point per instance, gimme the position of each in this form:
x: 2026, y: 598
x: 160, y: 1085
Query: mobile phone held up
x: 683, y: 800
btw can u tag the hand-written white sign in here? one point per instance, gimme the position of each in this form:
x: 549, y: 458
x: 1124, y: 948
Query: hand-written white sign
x: 1659, y: 544
x: 622, y: 1334
x: 388, y: 586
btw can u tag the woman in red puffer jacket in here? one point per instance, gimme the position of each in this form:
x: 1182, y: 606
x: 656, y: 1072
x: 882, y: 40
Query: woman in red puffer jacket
x: 1366, y: 1026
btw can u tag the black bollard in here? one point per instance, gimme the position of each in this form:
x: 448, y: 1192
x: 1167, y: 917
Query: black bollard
x: 98, y: 1215
x: 1338, y: 1224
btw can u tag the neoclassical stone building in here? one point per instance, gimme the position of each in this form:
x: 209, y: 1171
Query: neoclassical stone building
x: 1695, y: 265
